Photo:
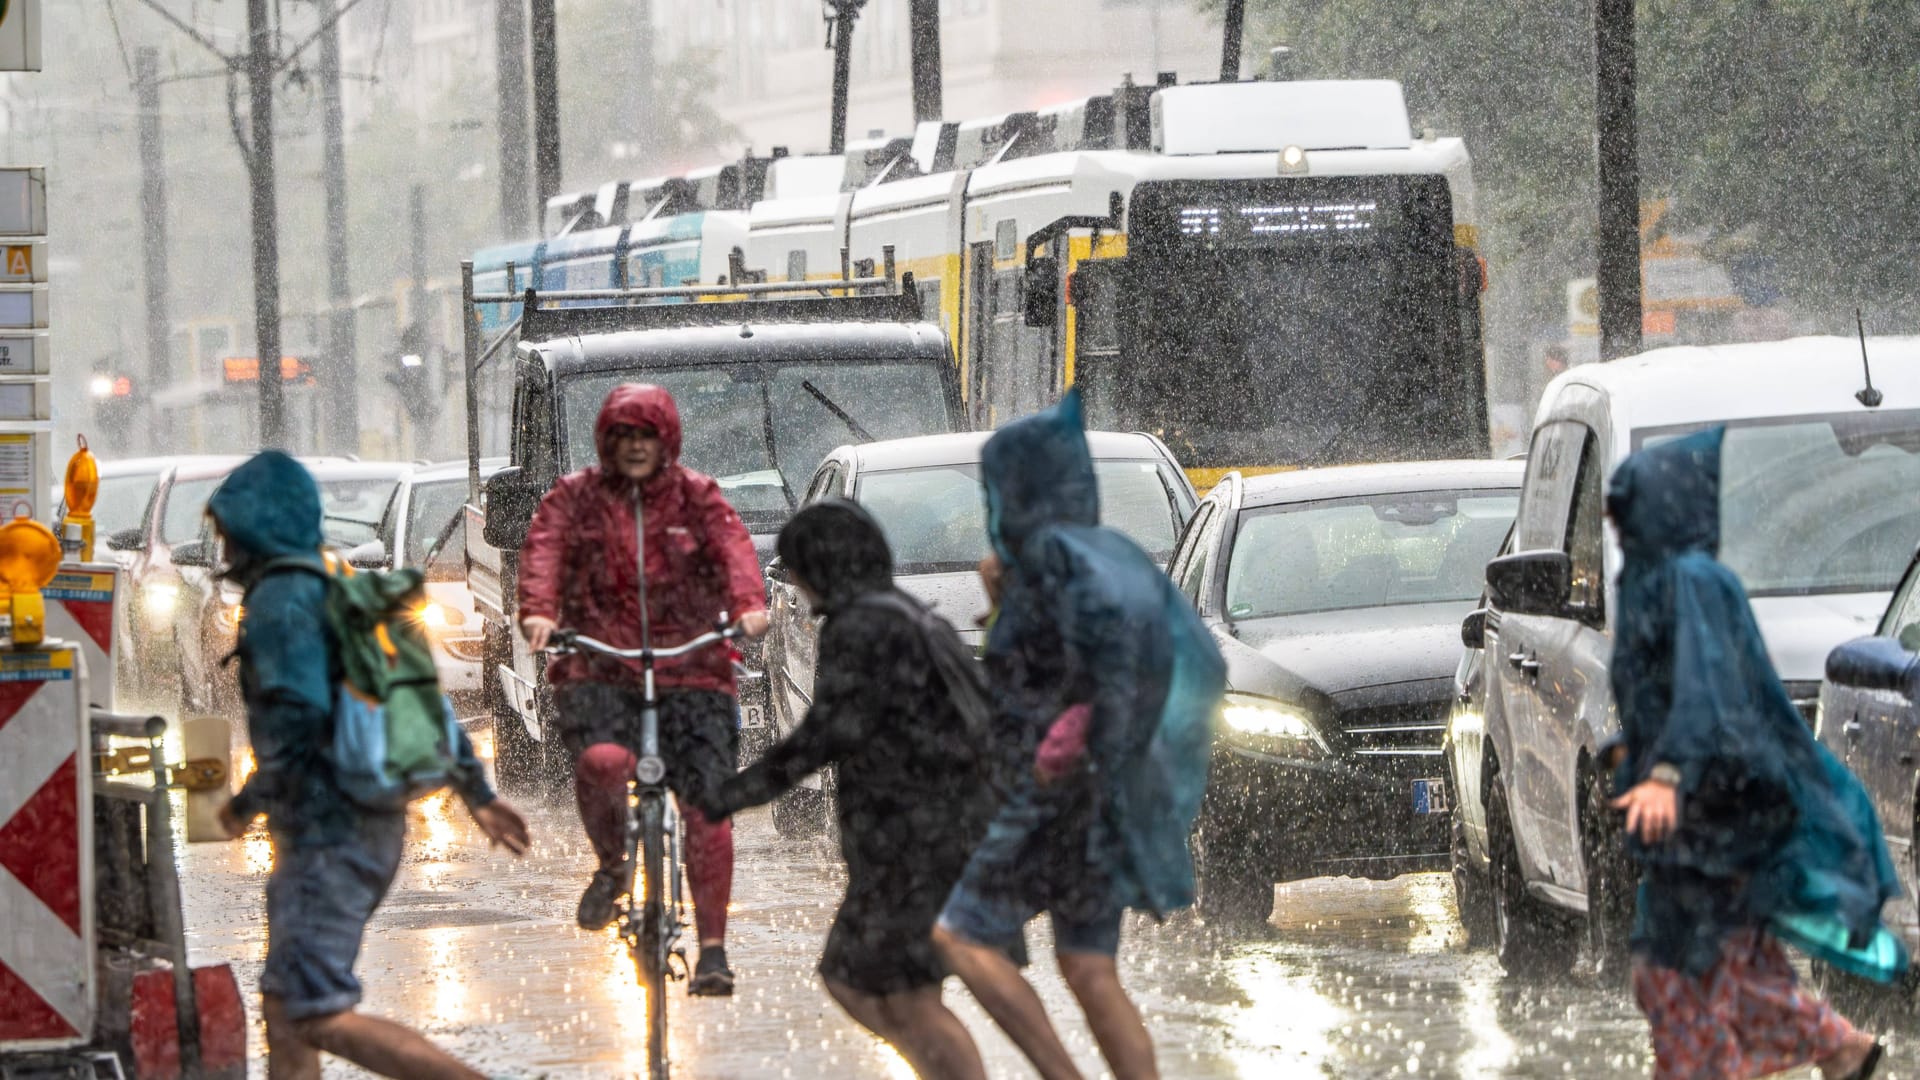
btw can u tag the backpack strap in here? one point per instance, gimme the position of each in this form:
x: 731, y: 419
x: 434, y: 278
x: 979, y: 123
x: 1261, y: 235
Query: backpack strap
x: 281, y: 563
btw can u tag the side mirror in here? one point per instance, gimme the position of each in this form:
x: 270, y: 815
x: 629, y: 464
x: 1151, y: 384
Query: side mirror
x: 371, y: 555
x: 126, y: 540
x: 776, y: 569
x: 196, y: 553
x: 1473, y: 629
x: 1874, y: 663
x: 1042, y: 290
x: 511, y: 501
x: 1530, y: 582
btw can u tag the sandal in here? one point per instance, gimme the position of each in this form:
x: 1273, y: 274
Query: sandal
x: 1869, y: 1063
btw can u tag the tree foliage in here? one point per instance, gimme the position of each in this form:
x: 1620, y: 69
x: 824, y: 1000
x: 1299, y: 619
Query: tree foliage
x: 1790, y: 127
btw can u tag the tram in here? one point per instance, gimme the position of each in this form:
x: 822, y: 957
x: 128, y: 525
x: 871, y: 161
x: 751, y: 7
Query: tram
x: 1265, y: 274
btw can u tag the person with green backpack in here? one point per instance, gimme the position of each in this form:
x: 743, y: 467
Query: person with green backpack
x: 347, y: 725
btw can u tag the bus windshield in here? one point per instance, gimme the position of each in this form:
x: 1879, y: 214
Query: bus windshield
x: 1302, y: 321
x: 761, y: 431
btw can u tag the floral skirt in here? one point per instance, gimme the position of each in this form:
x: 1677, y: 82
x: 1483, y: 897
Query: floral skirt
x: 1747, y: 1016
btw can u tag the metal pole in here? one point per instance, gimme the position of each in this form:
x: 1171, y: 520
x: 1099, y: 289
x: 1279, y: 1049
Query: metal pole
x: 643, y: 91
x: 341, y: 379
x: 470, y: 374
x: 1619, y: 232
x: 546, y: 103
x: 153, y: 249
x: 845, y: 12
x: 1235, y: 29
x: 510, y: 33
x: 266, y: 249
x: 923, y: 28
x: 427, y: 408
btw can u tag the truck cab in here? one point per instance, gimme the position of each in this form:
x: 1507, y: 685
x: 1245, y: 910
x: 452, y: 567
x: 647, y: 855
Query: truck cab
x: 765, y: 389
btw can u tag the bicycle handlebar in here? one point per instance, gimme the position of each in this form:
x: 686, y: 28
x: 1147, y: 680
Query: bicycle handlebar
x: 566, y: 641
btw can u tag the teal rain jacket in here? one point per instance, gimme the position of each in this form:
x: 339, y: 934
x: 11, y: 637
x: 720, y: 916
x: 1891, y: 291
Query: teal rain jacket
x: 1086, y: 600
x: 1774, y: 830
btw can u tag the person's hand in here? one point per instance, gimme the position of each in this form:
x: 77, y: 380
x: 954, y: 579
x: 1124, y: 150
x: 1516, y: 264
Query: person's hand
x: 1652, y: 809
x: 539, y: 630
x: 753, y: 624
x: 990, y: 573
x: 232, y: 823
x: 503, y: 825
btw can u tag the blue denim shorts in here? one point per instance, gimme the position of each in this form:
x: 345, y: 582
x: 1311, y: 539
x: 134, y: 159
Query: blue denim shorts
x: 319, y: 898
x: 1033, y: 860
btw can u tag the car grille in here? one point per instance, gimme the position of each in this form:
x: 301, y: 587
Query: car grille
x: 1412, y: 730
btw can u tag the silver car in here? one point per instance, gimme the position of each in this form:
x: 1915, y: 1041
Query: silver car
x: 925, y: 493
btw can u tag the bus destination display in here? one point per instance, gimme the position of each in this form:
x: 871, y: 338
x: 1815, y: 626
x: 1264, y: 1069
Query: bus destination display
x: 1277, y: 223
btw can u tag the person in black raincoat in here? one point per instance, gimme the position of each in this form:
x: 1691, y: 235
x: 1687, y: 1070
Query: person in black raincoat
x: 1747, y: 829
x: 911, y: 796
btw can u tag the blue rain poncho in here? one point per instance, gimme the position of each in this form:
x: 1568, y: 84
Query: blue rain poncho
x: 1774, y: 831
x: 1086, y: 615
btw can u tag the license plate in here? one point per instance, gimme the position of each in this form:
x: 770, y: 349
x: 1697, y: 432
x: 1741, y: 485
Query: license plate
x: 1430, y: 797
x: 751, y: 716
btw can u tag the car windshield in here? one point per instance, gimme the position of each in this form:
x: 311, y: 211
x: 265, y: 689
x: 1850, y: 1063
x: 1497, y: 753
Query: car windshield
x: 1817, y: 504
x: 186, y: 510
x: 1378, y: 551
x: 761, y: 431
x: 351, y: 509
x: 935, y: 518
x: 121, y: 502
x: 430, y: 509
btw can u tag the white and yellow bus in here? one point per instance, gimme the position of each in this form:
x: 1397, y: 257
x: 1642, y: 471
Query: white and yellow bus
x: 1266, y: 274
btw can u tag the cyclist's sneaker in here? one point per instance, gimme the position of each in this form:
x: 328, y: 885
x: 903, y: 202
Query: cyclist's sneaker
x: 711, y: 976
x: 597, y: 903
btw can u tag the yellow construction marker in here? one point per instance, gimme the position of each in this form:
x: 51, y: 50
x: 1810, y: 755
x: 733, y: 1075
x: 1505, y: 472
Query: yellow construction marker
x: 82, y: 488
x: 29, y: 557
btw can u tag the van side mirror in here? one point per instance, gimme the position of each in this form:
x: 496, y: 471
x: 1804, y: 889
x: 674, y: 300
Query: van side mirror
x: 1473, y: 629
x: 511, y: 501
x: 1530, y: 583
x: 125, y: 540
x: 371, y: 555
x: 1042, y: 290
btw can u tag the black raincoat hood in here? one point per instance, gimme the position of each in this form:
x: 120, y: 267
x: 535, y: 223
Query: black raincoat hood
x: 836, y: 549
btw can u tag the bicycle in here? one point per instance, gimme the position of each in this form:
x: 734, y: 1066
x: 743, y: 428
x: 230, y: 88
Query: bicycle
x: 652, y: 927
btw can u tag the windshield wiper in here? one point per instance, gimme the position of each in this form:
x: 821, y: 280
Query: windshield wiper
x: 828, y: 403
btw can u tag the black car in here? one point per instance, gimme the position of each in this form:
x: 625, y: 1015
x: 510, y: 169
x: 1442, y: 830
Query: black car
x: 1336, y: 597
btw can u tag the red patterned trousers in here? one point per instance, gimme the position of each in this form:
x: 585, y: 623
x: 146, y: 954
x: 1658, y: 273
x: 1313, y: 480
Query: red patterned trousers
x: 1745, y: 1017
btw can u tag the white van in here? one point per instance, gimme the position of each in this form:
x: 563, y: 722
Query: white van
x: 1819, y: 510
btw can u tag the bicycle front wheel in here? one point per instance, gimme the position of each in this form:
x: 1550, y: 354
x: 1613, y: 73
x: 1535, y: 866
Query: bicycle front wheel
x: 650, y: 948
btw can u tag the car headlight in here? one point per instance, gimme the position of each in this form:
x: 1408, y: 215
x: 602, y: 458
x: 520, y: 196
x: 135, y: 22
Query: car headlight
x: 158, y: 600
x: 436, y: 616
x: 1265, y: 718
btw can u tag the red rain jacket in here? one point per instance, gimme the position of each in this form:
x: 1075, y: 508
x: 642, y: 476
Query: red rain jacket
x: 577, y: 566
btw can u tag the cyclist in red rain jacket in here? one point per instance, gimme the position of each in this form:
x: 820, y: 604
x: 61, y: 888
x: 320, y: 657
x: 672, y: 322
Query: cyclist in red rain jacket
x: 577, y: 570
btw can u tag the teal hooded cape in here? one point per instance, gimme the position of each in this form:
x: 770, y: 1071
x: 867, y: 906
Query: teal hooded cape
x: 1090, y: 607
x: 1774, y: 830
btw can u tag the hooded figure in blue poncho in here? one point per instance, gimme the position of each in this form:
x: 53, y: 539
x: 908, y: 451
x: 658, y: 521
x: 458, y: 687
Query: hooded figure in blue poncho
x: 1747, y: 830
x: 1104, y: 685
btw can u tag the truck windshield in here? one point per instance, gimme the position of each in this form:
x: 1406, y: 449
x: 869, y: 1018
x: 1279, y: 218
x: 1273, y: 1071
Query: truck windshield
x: 761, y: 431
x: 1816, y: 504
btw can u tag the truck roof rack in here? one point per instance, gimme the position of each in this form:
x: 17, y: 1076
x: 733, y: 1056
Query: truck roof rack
x: 545, y: 315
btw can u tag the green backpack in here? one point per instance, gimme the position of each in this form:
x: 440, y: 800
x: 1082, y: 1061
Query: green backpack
x: 395, y: 737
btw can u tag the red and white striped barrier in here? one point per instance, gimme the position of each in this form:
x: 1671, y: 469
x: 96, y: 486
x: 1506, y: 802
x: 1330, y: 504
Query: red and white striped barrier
x: 46, y: 852
x: 80, y: 609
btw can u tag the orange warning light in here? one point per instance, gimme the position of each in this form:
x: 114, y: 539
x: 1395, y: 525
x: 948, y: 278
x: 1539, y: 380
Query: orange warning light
x: 82, y: 488
x: 29, y: 557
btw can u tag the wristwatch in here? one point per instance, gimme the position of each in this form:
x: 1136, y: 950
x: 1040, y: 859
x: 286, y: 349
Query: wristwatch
x: 1664, y: 773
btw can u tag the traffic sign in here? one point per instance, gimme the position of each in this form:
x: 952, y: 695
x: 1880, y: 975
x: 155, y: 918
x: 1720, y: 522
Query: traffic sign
x: 23, y: 263
x: 19, y: 35
x: 23, y: 308
x: 23, y: 201
x: 24, y: 354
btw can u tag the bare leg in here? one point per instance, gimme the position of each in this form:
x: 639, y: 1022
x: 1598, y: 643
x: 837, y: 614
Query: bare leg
x: 919, y: 1025
x: 289, y: 1057
x: 998, y: 986
x: 379, y: 1046
x: 1117, y: 1027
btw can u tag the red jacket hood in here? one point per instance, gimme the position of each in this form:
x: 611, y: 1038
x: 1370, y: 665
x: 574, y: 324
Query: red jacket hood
x: 638, y: 405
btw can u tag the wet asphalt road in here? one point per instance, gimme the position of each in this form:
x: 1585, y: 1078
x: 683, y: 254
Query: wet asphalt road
x: 1349, y: 979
